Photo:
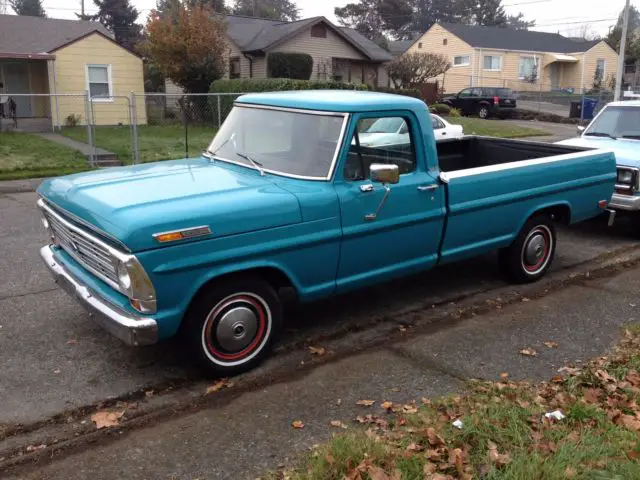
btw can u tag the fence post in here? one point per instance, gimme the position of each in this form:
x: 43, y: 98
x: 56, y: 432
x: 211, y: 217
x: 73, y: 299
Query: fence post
x: 134, y: 128
x: 87, y: 112
x: 186, y: 126
x: 219, y: 111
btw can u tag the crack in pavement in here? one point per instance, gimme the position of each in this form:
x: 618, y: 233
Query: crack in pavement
x: 26, y: 294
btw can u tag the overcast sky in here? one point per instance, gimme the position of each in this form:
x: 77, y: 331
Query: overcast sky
x: 565, y: 16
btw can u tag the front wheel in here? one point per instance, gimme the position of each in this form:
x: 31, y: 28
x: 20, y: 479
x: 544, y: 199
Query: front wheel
x: 231, y: 325
x: 529, y: 257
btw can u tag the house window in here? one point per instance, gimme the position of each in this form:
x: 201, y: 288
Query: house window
x: 319, y: 31
x: 444, y: 41
x: 601, y: 65
x: 528, y: 68
x: 234, y: 67
x: 492, y: 62
x: 461, y: 61
x: 99, y: 82
x: 420, y: 45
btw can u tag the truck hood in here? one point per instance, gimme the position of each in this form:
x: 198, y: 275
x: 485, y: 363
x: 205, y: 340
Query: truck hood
x: 132, y: 203
x: 627, y: 152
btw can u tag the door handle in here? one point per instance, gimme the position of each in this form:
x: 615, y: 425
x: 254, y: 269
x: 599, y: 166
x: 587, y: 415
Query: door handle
x: 444, y: 133
x: 428, y: 188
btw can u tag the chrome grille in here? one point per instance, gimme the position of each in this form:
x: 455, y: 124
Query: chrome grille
x: 92, y: 255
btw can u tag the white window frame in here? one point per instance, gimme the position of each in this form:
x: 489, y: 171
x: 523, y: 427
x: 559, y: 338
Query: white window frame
x: 499, y: 69
x: 108, y: 99
x: 535, y: 65
x: 468, y: 57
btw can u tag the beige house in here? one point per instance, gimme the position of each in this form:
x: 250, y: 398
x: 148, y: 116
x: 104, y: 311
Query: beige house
x: 338, y: 53
x: 48, y: 66
x: 519, y: 59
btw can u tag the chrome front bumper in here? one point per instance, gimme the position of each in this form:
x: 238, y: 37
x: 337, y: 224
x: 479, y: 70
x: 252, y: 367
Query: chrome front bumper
x: 625, y: 202
x: 131, y: 329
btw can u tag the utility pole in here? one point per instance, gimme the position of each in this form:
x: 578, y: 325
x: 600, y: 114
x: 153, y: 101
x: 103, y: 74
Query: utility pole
x: 623, y: 44
x: 82, y: 8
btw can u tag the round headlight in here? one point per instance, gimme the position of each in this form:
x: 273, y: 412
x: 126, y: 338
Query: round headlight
x: 45, y: 223
x: 124, y: 279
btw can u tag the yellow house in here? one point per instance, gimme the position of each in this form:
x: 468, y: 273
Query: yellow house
x: 50, y: 67
x: 522, y: 60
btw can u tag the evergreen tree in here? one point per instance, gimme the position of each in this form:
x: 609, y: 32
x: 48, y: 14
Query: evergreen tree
x: 29, y: 8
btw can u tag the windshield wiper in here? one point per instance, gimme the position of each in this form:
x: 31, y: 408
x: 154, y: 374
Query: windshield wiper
x: 209, y: 154
x: 257, y: 165
x: 633, y: 137
x: 600, y: 134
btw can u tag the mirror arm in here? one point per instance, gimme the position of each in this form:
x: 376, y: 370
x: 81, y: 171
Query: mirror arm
x: 372, y: 216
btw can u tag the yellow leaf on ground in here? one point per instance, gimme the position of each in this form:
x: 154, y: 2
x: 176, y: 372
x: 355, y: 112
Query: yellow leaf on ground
x: 409, y: 409
x: 365, y: 403
x: 297, y: 424
x: 387, y: 405
x: 337, y: 424
x: 529, y: 352
x: 317, y: 350
x: 105, y: 418
x: 219, y: 385
x: 551, y: 344
x: 630, y: 422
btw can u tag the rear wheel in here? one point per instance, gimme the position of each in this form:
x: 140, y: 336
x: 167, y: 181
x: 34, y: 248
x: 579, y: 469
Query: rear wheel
x: 231, y: 325
x: 531, y: 254
x: 483, y: 111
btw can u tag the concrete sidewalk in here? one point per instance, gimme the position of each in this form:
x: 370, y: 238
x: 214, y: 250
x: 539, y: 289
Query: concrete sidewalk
x: 242, y: 437
x: 100, y: 156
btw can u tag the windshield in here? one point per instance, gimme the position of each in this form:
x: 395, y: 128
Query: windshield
x: 280, y: 141
x: 385, y: 125
x: 616, y: 122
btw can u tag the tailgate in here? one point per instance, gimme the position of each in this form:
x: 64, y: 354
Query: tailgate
x: 488, y: 205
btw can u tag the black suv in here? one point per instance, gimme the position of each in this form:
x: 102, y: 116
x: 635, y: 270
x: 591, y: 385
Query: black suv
x: 483, y: 101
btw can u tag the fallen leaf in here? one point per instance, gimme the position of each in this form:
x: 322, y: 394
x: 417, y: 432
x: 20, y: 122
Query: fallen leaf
x: 633, y: 455
x: 339, y: 402
x: 455, y: 460
x: 525, y: 300
x: 604, y: 376
x: 387, y: 405
x: 149, y: 393
x: 317, y: 350
x: 35, y: 448
x: 434, y: 455
x: 592, y: 395
x: 414, y: 447
x: 429, y: 468
x: 365, y: 403
x: 337, y: 424
x: 571, y: 371
x: 570, y: 473
x: 329, y: 459
x: 551, y: 344
x: 376, y: 473
x: 529, y: 352
x: 410, y: 409
x: 630, y: 422
x: 633, y: 378
x: 557, y: 379
x: 219, y: 385
x: 504, y: 375
x: 496, y: 457
x: 72, y: 341
x: 434, y: 439
x: 297, y: 424
x: 105, y: 418
x: 425, y: 401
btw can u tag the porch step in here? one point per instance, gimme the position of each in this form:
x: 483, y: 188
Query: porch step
x: 26, y: 125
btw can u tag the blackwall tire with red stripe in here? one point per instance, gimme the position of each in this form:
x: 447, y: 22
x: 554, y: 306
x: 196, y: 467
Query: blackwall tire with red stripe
x: 530, y: 256
x: 232, y: 324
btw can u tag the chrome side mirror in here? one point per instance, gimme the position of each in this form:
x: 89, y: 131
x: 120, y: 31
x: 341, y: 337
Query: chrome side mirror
x: 581, y: 129
x: 384, y: 173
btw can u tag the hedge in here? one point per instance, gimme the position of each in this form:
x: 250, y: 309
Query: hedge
x: 290, y: 65
x: 409, y: 92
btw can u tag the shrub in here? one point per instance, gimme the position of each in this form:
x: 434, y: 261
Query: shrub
x: 290, y: 65
x: 455, y: 112
x: 72, y: 120
x: 409, y: 92
x: 440, y: 109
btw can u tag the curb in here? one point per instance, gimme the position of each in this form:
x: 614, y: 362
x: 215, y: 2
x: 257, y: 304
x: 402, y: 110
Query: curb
x: 20, y: 186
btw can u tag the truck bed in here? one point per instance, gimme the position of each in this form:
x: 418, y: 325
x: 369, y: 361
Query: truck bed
x: 473, y: 152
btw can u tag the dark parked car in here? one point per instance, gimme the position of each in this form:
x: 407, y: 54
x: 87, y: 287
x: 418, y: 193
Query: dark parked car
x: 483, y: 101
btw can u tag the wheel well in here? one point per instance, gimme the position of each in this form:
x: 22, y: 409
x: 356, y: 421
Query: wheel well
x: 559, y: 213
x: 273, y: 276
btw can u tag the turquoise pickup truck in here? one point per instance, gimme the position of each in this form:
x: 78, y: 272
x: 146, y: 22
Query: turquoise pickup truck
x: 287, y: 196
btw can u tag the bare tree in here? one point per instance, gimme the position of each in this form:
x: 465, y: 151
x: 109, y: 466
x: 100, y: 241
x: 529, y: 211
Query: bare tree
x: 413, y: 69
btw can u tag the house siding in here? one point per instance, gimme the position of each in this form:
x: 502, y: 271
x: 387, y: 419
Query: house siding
x: 323, y: 51
x: 604, y: 51
x: 456, y: 78
x: 126, y: 77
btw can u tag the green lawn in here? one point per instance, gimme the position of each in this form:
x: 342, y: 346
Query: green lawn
x: 494, y: 128
x: 23, y: 155
x: 164, y: 142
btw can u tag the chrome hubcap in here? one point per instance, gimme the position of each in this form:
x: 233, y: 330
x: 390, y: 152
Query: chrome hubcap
x: 535, y: 249
x: 237, y: 329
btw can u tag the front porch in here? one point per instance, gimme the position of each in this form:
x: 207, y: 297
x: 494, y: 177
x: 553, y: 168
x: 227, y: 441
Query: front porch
x: 355, y: 71
x: 26, y: 84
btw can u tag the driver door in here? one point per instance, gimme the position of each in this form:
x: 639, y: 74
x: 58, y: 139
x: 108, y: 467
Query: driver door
x: 382, y: 238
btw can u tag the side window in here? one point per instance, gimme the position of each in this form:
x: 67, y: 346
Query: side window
x: 477, y: 92
x: 465, y: 93
x: 436, y: 124
x: 380, y: 140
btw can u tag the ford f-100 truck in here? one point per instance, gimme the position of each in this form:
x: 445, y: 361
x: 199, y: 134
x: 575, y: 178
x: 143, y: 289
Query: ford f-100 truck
x: 286, y: 195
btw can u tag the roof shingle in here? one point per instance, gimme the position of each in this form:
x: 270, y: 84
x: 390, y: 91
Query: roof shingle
x: 25, y: 35
x: 511, y: 39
